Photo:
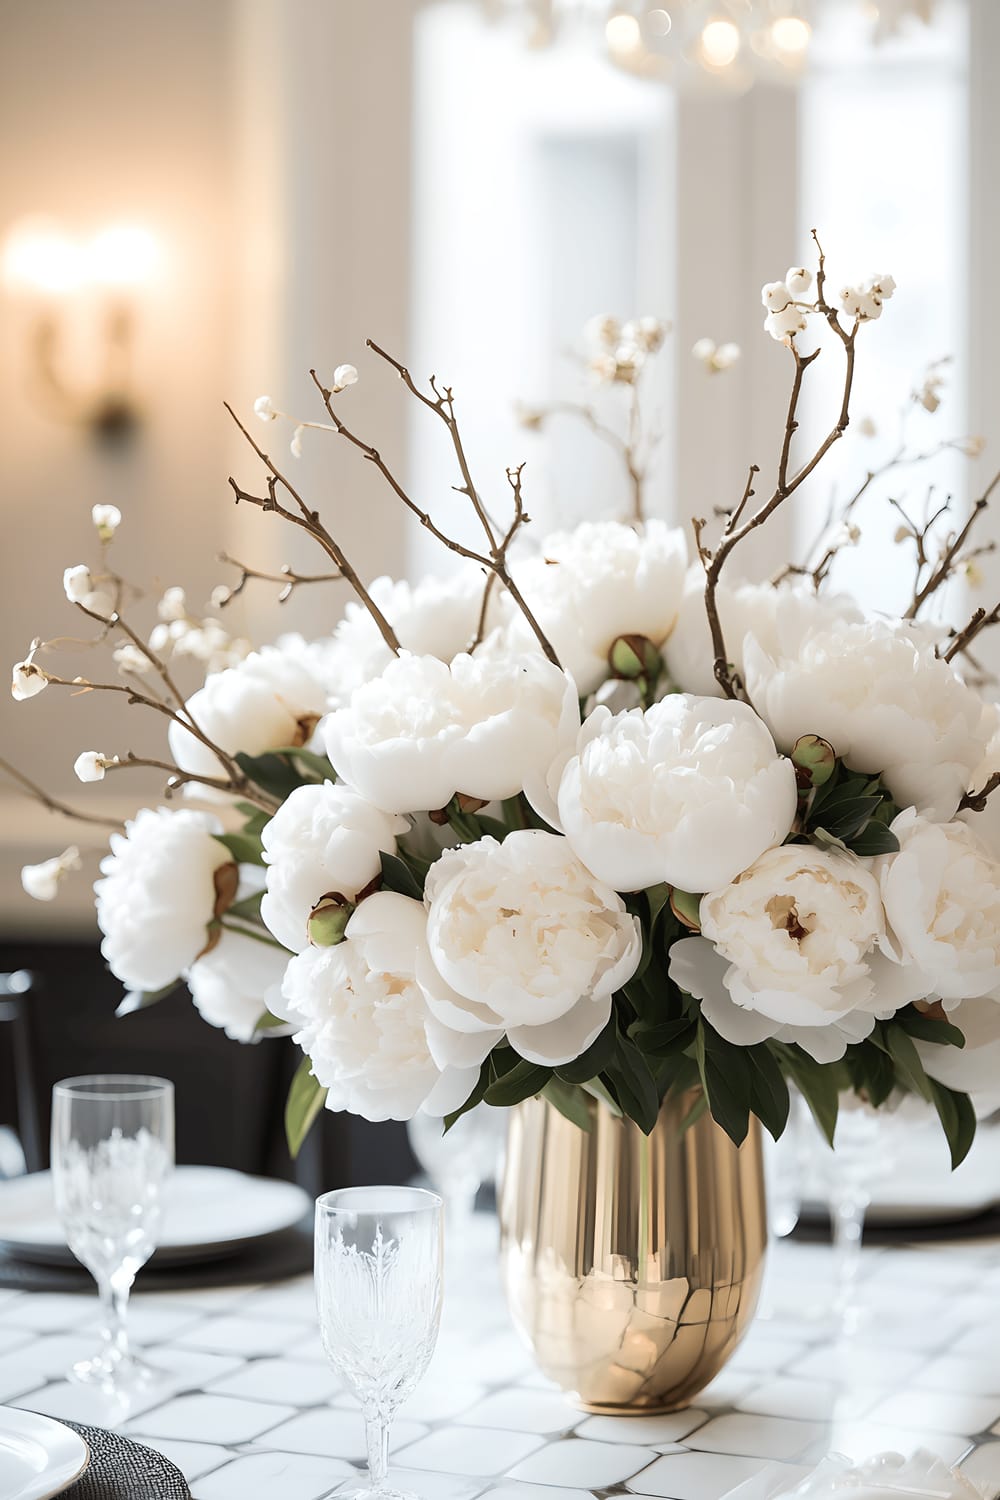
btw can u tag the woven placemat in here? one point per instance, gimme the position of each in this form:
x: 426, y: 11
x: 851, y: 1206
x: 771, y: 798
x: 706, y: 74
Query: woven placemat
x: 120, y: 1469
x: 274, y: 1257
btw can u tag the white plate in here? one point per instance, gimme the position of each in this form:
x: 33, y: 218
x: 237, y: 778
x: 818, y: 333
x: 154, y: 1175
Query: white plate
x: 38, y: 1457
x: 208, y: 1212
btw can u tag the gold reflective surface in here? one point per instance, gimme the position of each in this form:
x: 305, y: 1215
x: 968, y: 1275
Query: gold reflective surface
x: 632, y: 1265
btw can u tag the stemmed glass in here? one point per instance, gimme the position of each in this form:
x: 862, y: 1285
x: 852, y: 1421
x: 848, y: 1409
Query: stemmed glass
x: 379, y: 1256
x: 112, y: 1153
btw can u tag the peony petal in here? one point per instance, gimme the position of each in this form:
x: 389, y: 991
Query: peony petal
x: 564, y: 1040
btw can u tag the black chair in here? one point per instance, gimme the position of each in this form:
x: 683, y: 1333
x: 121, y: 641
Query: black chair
x: 230, y: 1098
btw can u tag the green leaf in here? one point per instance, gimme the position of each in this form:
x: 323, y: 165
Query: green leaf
x: 907, y: 1059
x: 523, y: 1081
x: 698, y: 1108
x: 598, y: 1056
x: 272, y: 772
x: 662, y: 1039
x: 491, y: 827
x: 727, y: 1088
x: 768, y: 1089
x: 634, y: 1085
x: 657, y: 897
x: 570, y: 1102
x: 476, y: 1097
x: 817, y: 1083
x: 845, y: 820
x: 875, y: 839
x: 929, y: 1028
x: 268, y: 1022
x: 397, y: 876
x: 305, y: 1100
x: 142, y: 999
x: 245, y: 848
x: 318, y: 765
x: 958, y: 1118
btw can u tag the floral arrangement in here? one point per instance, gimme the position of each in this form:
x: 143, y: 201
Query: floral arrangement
x: 594, y: 818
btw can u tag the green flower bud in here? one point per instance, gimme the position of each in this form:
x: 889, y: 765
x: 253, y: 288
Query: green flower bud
x: 327, y: 922
x: 815, y: 757
x: 633, y: 657
x: 685, y: 907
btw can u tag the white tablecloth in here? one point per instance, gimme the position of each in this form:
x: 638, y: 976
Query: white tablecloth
x: 250, y: 1410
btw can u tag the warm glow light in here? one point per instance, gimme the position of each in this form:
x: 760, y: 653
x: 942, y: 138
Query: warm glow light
x: 623, y: 33
x: 39, y: 257
x: 122, y: 255
x: 790, y: 34
x: 720, y: 42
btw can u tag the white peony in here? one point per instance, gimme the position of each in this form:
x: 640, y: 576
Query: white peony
x: 361, y: 1017
x: 158, y: 895
x: 488, y: 726
x: 323, y: 840
x: 237, y: 982
x: 778, y: 618
x: 942, y: 900
x: 527, y: 942
x: 802, y: 931
x: 435, y: 617
x: 267, y: 701
x: 689, y: 792
x: 884, y: 701
x: 600, y: 581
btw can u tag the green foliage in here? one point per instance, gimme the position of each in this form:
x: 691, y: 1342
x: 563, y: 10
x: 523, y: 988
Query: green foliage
x: 245, y: 848
x: 142, y: 999
x: 818, y: 1083
x: 851, y: 810
x: 305, y: 1100
x: 398, y: 875
x: 570, y: 1101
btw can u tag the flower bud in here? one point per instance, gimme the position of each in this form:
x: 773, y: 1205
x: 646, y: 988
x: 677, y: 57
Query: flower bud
x: 603, y: 330
x: 173, y: 605
x: 685, y: 907
x: 92, y: 765
x: 815, y: 758
x: 328, y: 921
x: 128, y: 658
x: 775, y: 296
x: 27, y: 680
x: 798, y: 280
x: 634, y: 656
x: 107, y: 519
x: 296, y: 443
x: 343, y: 376
x: 41, y: 882
x: 77, y: 583
x: 264, y: 408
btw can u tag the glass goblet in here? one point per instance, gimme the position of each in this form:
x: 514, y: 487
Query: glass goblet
x: 379, y: 1253
x: 112, y: 1153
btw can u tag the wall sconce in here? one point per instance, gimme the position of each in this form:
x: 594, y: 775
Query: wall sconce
x: 65, y: 284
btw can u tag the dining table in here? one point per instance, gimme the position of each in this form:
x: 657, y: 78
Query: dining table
x: 247, y: 1406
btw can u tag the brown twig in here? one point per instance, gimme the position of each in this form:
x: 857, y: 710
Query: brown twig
x: 53, y: 804
x: 786, y: 485
x: 627, y: 448
x: 949, y: 559
x: 976, y: 801
x: 981, y: 620
x: 179, y: 778
x: 309, y: 521
x: 287, y: 576
x: 495, y: 559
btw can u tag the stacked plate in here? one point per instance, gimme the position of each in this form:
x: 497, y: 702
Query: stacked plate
x: 209, y: 1213
x: 38, y: 1457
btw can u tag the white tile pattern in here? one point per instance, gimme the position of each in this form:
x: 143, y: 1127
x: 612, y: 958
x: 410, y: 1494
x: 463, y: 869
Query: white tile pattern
x: 248, y: 1406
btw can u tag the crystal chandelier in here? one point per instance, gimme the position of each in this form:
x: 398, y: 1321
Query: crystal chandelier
x: 730, y: 43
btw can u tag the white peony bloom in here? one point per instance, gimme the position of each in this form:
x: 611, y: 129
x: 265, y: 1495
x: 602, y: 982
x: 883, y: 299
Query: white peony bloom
x: 107, y: 519
x: 777, y: 616
x: 27, y: 680
x: 93, y: 766
x: 701, y: 970
x: 361, y: 1017
x: 158, y: 895
x: 435, y: 617
x: 941, y: 893
x: 42, y: 882
x: 323, y: 840
x: 975, y: 1068
x: 488, y: 726
x: 235, y: 984
x: 603, y: 580
x: 343, y: 376
x: 803, y: 932
x: 526, y: 942
x: 269, y: 700
x: 78, y: 583
x: 690, y: 793
x: 884, y: 701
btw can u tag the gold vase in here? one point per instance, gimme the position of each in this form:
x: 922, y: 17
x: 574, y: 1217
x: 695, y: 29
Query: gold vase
x: 632, y: 1264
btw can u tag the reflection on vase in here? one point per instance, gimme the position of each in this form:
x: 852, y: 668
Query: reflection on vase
x: 632, y: 1264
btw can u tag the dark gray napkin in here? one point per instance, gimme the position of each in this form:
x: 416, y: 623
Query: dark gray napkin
x: 120, y: 1469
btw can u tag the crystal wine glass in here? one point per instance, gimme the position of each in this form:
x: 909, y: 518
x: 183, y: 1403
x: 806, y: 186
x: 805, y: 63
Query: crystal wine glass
x: 378, y: 1294
x: 112, y: 1153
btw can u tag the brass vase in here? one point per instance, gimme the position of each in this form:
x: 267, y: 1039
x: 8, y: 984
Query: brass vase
x: 632, y: 1264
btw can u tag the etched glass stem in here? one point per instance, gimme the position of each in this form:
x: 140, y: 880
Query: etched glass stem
x: 377, y: 1433
x: 114, y: 1293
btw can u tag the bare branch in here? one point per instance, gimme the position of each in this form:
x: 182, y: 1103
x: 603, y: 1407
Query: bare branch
x: 949, y: 558
x: 976, y: 801
x: 287, y: 576
x: 981, y: 620
x: 53, y: 804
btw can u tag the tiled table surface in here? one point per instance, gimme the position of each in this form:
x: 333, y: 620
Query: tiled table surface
x: 250, y: 1410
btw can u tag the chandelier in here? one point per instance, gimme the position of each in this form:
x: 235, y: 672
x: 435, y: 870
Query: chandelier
x: 727, y: 42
